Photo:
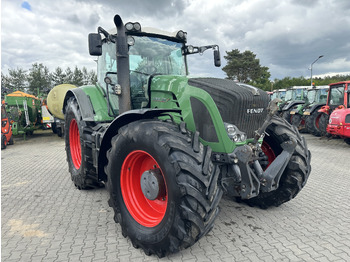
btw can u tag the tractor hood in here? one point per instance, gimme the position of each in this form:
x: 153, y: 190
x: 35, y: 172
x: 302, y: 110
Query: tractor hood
x: 239, y: 104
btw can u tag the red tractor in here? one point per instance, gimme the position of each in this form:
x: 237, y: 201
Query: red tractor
x: 337, y: 99
x: 6, y: 131
x: 339, y: 123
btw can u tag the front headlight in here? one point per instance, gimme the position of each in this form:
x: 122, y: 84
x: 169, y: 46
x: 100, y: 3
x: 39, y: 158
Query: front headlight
x: 234, y: 133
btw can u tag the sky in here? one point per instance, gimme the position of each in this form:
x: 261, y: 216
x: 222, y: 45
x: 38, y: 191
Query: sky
x: 286, y: 35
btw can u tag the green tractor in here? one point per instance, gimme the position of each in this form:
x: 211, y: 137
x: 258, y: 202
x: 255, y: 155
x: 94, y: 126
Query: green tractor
x: 278, y: 93
x: 302, y: 114
x: 168, y: 146
x: 295, y: 95
x: 317, y: 98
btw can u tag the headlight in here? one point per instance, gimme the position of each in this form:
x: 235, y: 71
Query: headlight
x: 231, y: 130
x: 234, y: 133
x: 131, y: 40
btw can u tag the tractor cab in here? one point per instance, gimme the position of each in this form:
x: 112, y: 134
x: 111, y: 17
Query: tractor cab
x: 130, y: 56
x: 339, y: 95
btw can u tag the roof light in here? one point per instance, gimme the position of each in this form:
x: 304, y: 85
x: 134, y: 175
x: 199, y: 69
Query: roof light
x: 133, y: 27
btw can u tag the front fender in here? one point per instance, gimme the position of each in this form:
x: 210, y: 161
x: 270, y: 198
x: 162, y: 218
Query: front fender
x: 92, y: 101
x: 118, y: 122
x: 324, y: 109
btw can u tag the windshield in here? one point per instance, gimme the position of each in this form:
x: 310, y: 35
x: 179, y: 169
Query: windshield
x: 273, y: 96
x: 150, y: 55
x: 289, y: 95
x: 282, y: 95
x: 311, y: 96
x: 336, y: 96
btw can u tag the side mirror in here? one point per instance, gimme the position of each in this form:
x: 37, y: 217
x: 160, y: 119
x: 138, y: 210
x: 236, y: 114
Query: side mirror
x: 217, y: 61
x: 95, y: 44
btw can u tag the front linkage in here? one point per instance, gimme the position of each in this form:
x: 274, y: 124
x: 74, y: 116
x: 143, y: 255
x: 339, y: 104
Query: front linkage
x: 253, y: 171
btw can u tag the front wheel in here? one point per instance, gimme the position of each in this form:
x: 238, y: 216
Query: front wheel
x: 163, y: 186
x: 78, y: 148
x: 3, y: 141
x: 297, y: 171
x: 11, y: 142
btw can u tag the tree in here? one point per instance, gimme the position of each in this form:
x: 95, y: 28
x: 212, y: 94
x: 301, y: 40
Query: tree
x: 58, y: 77
x: 17, y: 80
x: 39, y: 78
x: 68, y: 76
x: 77, y: 77
x: 246, y: 68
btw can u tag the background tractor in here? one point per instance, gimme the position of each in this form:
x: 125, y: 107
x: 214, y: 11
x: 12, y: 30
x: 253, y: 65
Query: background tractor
x: 317, y: 98
x: 278, y: 93
x: 338, y: 98
x: 305, y: 116
x: 339, y: 124
x: 168, y: 146
x: 295, y: 95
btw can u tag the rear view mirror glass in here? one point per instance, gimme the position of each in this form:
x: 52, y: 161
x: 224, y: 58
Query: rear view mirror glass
x: 95, y: 44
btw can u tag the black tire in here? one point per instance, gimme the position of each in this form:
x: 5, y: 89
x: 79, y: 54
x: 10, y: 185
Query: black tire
x: 323, y: 122
x: 11, y: 142
x: 287, y: 116
x: 312, y: 123
x: 81, y: 167
x: 347, y: 140
x: 59, y: 132
x: 192, y: 192
x: 297, y: 171
x: 3, y: 141
x: 54, y: 128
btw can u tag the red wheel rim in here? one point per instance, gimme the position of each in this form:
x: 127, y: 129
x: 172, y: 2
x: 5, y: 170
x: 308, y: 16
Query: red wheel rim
x: 74, y: 143
x: 148, y: 213
x: 268, y: 152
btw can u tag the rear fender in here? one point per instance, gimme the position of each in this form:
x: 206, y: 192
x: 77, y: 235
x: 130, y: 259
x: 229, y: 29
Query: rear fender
x: 292, y: 103
x: 112, y: 130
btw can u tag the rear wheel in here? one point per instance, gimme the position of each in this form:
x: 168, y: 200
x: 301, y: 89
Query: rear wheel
x: 78, y: 142
x: 323, y: 122
x: 297, y: 170
x: 312, y: 123
x: 163, y: 186
x: 3, y: 141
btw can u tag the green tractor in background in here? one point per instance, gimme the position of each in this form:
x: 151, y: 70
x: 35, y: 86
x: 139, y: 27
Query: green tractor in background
x: 316, y: 97
x: 279, y: 93
x: 309, y: 120
x: 296, y: 95
x: 168, y: 146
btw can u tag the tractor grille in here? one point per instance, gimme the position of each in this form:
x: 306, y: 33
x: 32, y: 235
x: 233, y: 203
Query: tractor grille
x: 239, y: 104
